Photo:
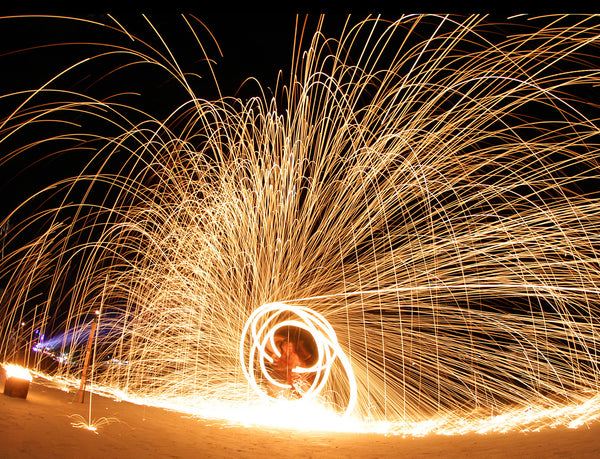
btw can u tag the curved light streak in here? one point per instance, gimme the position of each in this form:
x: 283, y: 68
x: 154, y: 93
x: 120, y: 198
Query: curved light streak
x: 261, y: 329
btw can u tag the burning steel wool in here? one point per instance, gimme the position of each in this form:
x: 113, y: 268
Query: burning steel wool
x: 400, y: 235
x: 299, y: 350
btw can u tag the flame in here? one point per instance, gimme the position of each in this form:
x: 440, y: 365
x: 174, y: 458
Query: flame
x: 16, y: 371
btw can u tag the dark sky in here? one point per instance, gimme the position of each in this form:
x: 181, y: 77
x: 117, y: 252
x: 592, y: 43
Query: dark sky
x: 31, y: 52
x: 254, y: 44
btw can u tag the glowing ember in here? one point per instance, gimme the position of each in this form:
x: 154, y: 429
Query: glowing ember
x: 91, y: 425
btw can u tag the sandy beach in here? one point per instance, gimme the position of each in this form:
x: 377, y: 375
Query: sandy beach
x: 43, y: 425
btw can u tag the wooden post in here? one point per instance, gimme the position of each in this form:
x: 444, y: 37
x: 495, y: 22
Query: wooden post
x: 86, y: 362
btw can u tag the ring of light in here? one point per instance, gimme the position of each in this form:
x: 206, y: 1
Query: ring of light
x: 264, y: 323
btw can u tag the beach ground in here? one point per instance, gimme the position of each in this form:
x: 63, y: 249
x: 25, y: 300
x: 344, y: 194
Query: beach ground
x: 43, y: 425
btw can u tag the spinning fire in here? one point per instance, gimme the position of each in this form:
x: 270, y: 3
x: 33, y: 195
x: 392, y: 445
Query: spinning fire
x: 403, y: 234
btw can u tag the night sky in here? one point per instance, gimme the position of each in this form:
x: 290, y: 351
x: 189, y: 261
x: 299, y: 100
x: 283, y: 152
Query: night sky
x: 33, y: 50
x: 253, y: 44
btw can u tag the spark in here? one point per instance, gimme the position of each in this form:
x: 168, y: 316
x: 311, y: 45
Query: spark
x: 92, y: 426
x: 404, y: 236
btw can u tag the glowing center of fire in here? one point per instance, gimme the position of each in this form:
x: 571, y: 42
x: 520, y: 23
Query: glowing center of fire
x: 292, y: 350
x: 18, y: 372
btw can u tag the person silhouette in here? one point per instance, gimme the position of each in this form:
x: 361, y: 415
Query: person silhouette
x: 292, y: 356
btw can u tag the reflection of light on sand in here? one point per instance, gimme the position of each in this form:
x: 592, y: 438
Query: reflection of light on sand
x: 310, y: 415
x: 287, y: 414
x: 526, y: 419
x: 314, y: 417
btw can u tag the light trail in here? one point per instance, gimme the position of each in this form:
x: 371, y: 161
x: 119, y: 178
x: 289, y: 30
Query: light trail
x: 403, y: 236
x: 265, y: 323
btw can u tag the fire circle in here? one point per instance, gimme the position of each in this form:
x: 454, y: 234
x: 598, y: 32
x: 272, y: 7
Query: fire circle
x: 292, y: 349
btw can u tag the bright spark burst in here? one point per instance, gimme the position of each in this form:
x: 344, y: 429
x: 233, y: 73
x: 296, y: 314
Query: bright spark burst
x: 91, y: 425
x: 420, y: 198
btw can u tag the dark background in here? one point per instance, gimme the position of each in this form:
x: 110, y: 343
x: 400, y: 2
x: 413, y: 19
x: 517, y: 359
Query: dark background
x: 33, y: 50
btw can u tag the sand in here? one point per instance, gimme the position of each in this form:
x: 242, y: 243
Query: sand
x: 42, y: 426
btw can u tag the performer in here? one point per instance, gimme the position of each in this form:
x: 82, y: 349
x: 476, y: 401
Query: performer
x: 292, y: 356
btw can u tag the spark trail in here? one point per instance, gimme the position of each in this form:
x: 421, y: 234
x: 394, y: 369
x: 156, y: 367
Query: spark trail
x: 425, y: 189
